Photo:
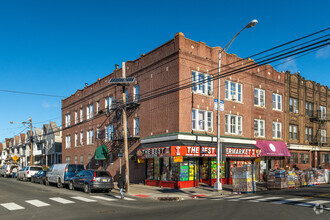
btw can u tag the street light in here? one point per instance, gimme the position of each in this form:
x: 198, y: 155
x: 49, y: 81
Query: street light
x: 28, y: 123
x: 218, y: 184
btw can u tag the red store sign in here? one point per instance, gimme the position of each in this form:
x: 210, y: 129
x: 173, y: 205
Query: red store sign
x: 242, y: 152
x: 154, y: 152
x: 193, y: 151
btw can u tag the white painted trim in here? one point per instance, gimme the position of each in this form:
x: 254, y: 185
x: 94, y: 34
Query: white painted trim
x: 307, y: 147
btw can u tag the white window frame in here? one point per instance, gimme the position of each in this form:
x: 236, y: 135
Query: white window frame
x: 136, y: 93
x: 205, y: 124
x: 67, y: 159
x: 309, y: 109
x: 81, y: 115
x: 81, y: 138
x: 109, y: 132
x: 323, y: 136
x: 136, y: 127
x: 90, y: 111
x: 308, y: 134
x: 259, y: 131
x: 108, y: 102
x: 90, y: 136
x: 76, y: 139
x: 277, y: 130
x: 97, y: 107
x: 294, y: 130
x: 259, y: 97
x: 97, y: 133
x: 76, y: 117
x: 295, y: 105
x: 323, y: 110
x: 202, y: 86
x: 76, y: 159
x: 277, y: 103
x: 67, y: 120
x: 68, y: 141
x: 233, y: 128
x: 81, y: 159
x: 233, y: 91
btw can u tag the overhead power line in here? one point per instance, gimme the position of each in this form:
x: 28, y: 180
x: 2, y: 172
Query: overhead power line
x: 32, y: 93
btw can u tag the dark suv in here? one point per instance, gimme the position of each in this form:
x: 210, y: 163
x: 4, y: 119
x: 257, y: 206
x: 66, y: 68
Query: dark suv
x: 90, y: 180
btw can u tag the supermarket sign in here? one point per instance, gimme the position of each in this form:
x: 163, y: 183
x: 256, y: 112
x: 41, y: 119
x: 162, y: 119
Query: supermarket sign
x: 242, y: 152
x: 154, y: 152
x: 193, y: 151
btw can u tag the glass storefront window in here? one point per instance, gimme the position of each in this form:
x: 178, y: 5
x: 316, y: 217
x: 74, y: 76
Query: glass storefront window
x: 184, y: 170
x: 193, y: 169
x: 150, y: 169
x: 175, y: 171
x: 156, y: 169
x: 166, y: 169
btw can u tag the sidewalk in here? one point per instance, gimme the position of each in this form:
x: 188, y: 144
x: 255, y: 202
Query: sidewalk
x: 157, y: 193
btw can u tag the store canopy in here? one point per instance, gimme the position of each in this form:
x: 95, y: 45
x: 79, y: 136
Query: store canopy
x: 101, y: 152
x: 273, y: 148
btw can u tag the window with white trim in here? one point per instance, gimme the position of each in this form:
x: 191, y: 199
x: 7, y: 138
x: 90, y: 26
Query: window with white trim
x: 81, y: 138
x: 136, y: 93
x: 81, y: 159
x: 90, y: 136
x: 202, y: 120
x: 233, y: 124
x: 109, y: 132
x: 325, y: 158
x: 67, y: 141
x: 108, y: 102
x: 67, y: 159
x: 136, y: 127
x: 97, y: 133
x: 323, y: 136
x: 76, y: 140
x: 90, y: 111
x: 308, y: 134
x: 81, y: 114
x: 259, y: 128
x: 293, y: 106
x: 76, y: 117
x: 233, y: 91
x: 277, y: 130
x: 293, y: 132
x: 277, y: 102
x: 97, y: 106
x: 323, y: 110
x: 309, y: 109
x: 202, y: 83
x: 67, y: 120
x: 259, y: 97
x: 76, y: 159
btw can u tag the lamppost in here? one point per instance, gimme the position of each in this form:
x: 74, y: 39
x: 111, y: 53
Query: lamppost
x: 218, y: 184
x: 28, y: 123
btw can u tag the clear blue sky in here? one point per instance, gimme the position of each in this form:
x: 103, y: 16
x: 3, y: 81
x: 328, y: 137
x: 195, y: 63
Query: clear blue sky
x: 54, y: 47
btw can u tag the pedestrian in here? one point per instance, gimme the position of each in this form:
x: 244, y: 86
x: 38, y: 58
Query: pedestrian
x: 14, y: 172
x: 121, y: 185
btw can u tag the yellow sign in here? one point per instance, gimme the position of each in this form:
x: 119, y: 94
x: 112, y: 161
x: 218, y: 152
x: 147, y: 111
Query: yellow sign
x: 257, y: 159
x: 178, y: 159
x: 140, y: 160
x: 15, y: 158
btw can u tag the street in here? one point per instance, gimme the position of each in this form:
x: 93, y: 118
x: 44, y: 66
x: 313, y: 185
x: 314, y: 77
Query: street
x: 33, y: 201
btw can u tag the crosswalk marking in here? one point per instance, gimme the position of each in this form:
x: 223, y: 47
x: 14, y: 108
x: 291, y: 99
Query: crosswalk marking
x: 12, y: 206
x: 266, y: 199
x: 103, y: 198
x: 288, y: 200
x: 129, y: 199
x: 83, y: 199
x: 313, y: 203
x: 61, y: 200
x: 37, y: 203
x: 233, y: 197
x: 250, y: 197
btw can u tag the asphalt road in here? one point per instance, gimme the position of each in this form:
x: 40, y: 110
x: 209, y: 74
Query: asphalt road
x: 24, y: 200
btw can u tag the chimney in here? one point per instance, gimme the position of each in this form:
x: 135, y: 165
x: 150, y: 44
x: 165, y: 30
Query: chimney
x: 116, y: 66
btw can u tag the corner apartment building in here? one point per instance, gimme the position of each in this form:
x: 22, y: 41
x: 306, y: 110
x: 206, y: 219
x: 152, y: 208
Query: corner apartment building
x: 307, y: 127
x: 172, y: 123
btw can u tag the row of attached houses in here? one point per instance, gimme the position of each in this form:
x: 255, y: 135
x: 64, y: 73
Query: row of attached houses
x: 46, y: 142
x: 271, y: 119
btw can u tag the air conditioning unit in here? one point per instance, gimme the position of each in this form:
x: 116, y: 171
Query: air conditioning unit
x: 233, y: 97
x: 209, y: 92
x: 256, y: 134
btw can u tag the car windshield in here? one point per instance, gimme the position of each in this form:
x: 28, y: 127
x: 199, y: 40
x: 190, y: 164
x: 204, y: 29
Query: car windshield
x: 103, y: 174
x: 35, y: 168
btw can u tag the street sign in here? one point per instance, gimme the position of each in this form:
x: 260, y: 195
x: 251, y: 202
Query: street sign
x: 178, y: 159
x: 222, y: 105
x: 120, y: 154
x: 15, y: 158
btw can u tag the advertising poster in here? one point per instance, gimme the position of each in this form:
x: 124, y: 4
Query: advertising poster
x: 214, y: 169
x: 184, y: 173
x: 156, y: 169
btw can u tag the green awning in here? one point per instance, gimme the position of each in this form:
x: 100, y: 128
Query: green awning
x: 101, y: 152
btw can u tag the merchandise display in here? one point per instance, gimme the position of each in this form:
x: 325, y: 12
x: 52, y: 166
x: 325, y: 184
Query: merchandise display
x: 277, y: 179
x: 244, y: 179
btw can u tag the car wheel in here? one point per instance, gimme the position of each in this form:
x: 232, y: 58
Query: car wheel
x: 87, y: 189
x: 59, y: 184
x: 71, y: 187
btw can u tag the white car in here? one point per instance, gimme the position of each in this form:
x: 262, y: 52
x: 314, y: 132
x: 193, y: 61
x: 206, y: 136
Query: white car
x: 30, y: 171
x: 20, y: 173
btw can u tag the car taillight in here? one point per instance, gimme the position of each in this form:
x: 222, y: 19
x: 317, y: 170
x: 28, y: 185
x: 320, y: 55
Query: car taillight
x: 66, y: 169
x: 94, y: 178
x: 28, y: 172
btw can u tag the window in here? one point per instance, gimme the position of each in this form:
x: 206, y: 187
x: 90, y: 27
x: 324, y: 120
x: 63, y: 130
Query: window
x: 277, y: 101
x: 76, y: 140
x: 76, y: 159
x: 304, y: 158
x: 259, y: 128
x: 323, y: 112
x: 136, y: 127
x: 325, y: 158
x: 90, y: 137
x: 76, y: 117
x: 293, y: 159
x: 259, y: 97
x: 309, y: 109
x: 293, y: 132
x: 233, y: 91
x: 233, y: 124
x: 277, y: 130
x: 108, y: 102
x: 81, y: 115
x: 293, y: 105
x: 308, y: 134
x: 81, y: 138
x: 90, y: 113
x: 202, y: 83
x: 98, y: 134
x: 109, y: 132
x: 89, y: 160
x: 67, y: 141
x: 323, y: 136
x: 202, y: 120
x: 67, y: 160
x: 136, y: 93
x: 98, y: 106
x: 81, y: 159
x: 67, y: 120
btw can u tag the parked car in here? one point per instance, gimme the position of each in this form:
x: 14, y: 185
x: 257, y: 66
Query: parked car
x: 2, y: 170
x: 30, y: 171
x: 20, y: 173
x: 8, y: 169
x: 39, y: 177
x: 61, y: 174
x: 90, y: 180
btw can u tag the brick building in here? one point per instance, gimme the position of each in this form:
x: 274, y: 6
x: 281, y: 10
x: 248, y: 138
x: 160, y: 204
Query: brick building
x: 307, y: 130
x: 172, y: 117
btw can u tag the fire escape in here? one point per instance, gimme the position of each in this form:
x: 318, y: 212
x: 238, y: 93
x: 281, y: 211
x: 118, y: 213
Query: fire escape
x: 321, y: 118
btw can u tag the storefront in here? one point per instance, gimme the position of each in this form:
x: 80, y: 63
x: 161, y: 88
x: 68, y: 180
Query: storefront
x: 273, y: 155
